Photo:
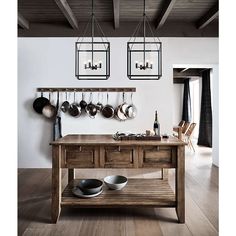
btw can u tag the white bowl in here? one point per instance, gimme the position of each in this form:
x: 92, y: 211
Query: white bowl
x: 116, y: 182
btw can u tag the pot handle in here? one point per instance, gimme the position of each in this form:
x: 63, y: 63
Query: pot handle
x: 91, y: 97
x: 66, y: 95
x: 74, y: 96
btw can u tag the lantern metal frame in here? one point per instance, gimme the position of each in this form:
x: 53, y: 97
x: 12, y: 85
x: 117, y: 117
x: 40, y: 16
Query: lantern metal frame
x: 133, y: 76
x: 156, y: 49
x: 92, y: 66
x: 77, y: 61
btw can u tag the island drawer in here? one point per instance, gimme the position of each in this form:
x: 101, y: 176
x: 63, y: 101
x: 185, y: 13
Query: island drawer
x: 118, y: 157
x: 80, y: 157
x: 157, y: 156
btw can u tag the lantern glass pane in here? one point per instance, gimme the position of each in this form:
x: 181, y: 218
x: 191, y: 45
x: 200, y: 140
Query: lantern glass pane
x: 136, y: 57
x: 101, y: 56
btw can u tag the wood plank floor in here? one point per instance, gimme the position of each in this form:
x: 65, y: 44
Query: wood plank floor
x: 201, y: 205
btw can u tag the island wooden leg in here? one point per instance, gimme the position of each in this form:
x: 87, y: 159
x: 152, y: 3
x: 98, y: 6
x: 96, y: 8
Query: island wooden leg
x: 56, y: 183
x: 71, y: 175
x: 180, y: 184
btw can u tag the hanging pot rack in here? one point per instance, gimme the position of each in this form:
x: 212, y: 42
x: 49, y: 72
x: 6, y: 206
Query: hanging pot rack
x: 73, y: 89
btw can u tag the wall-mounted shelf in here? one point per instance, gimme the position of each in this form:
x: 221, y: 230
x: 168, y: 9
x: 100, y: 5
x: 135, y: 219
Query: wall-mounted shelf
x: 115, y: 89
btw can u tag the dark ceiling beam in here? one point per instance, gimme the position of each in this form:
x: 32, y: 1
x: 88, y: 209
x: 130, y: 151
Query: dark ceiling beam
x: 67, y: 12
x: 168, y: 5
x: 184, y: 70
x: 187, y: 73
x: 22, y: 22
x: 170, y: 29
x: 208, y: 17
x: 116, y: 13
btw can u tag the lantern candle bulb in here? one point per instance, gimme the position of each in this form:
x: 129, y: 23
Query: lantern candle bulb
x: 94, y: 66
x: 143, y: 65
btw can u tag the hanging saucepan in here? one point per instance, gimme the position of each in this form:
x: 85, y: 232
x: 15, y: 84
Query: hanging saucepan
x: 39, y: 103
x: 131, y: 110
x: 99, y: 104
x: 124, y: 105
x: 74, y: 109
x: 65, y: 105
x: 83, y: 103
x: 119, y: 113
x: 91, y: 109
x: 49, y: 111
x: 108, y: 111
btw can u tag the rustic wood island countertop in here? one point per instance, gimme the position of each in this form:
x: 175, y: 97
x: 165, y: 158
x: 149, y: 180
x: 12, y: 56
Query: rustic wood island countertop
x: 107, y: 139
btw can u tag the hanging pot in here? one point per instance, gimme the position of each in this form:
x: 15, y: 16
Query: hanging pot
x: 119, y: 113
x: 74, y: 109
x: 124, y: 105
x: 99, y: 104
x: 131, y: 110
x: 39, y: 103
x: 91, y: 109
x: 83, y: 103
x: 49, y: 111
x: 108, y: 110
x: 65, y: 105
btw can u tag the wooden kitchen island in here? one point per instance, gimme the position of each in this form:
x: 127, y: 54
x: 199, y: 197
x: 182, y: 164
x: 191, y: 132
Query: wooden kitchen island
x: 102, y: 151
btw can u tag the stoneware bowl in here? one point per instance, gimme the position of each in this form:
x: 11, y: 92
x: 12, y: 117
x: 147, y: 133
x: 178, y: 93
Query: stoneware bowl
x: 90, y: 186
x: 115, y: 182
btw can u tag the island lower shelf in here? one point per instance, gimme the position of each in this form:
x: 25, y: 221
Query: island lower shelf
x: 137, y: 192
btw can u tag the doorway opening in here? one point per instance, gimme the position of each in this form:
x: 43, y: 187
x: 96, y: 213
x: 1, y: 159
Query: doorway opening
x: 193, y: 74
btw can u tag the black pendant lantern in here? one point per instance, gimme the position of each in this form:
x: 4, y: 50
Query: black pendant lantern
x: 144, y: 58
x: 92, y: 58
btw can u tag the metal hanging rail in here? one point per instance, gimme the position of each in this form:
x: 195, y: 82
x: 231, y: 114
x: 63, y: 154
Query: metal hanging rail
x: 63, y: 89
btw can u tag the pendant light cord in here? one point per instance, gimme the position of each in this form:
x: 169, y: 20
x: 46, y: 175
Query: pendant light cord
x: 92, y: 30
x: 143, y: 21
x: 92, y: 20
x: 144, y: 32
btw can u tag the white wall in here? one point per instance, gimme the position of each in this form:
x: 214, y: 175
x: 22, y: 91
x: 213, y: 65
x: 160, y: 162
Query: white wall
x: 49, y: 62
x: 215, y: 114
x: 178, y: 90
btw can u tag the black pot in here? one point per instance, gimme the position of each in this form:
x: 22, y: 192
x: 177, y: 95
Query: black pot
x: 40, y: 103
x: 65, y: 105
x: 83, y: 103
x: 75, y: 109
x: 108, y: 111
x: 91, y: 110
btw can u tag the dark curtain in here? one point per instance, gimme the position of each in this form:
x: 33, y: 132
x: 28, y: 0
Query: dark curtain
x: 205, y: 127
x: 186, y: 115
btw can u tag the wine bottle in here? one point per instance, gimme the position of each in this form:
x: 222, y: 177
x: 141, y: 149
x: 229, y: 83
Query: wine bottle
x: 156, y: 126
